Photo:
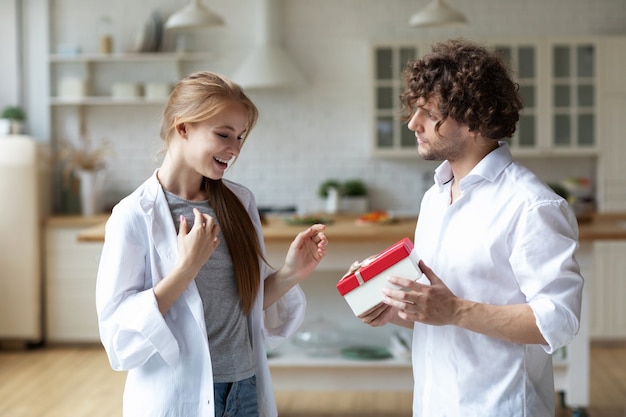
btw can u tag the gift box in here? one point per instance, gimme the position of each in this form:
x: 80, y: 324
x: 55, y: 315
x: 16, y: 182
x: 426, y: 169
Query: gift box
x: 362, y: 285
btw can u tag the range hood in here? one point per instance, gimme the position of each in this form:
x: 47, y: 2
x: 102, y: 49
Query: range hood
x: 268, y: 65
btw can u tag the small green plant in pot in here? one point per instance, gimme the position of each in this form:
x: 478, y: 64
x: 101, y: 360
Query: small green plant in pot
x: 354, y: 188
x: 354, y: 197
x: 13, y: 118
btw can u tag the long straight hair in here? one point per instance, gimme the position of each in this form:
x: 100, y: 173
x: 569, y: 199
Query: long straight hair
x: 196, y: 98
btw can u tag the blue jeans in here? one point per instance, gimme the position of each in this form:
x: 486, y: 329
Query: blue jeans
x: 236, y: 399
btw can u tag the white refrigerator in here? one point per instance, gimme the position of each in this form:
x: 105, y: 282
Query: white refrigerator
x: 23, y: 167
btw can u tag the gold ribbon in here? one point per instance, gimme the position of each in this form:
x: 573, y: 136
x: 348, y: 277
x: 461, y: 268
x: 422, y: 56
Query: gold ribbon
x: 356, y: 267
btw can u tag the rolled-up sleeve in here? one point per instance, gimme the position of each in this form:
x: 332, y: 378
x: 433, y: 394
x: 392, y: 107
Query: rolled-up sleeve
x: 547, y: 271
x: 283, y: 318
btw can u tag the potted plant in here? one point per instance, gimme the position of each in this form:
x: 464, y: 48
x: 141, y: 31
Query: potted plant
x: 354, y: 197
x: 349, y: 196
x: 325, y: 187
x: 13, y: 118
x: 330, y: 190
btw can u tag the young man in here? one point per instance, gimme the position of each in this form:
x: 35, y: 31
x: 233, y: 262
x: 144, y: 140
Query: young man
x: 503, y: 288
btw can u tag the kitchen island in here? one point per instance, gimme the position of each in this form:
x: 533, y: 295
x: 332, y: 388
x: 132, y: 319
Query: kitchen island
x: 349, y: 242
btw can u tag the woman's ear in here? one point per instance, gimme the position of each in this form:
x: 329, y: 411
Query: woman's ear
x: 181, y: 129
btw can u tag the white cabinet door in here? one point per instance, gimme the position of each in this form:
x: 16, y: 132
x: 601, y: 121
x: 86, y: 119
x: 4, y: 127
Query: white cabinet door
x: 608, y: 317
x: 71, y: 269
x: 612, y: 126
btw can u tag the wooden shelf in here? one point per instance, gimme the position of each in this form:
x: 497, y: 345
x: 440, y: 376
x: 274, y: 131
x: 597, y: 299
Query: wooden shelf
x: 105, y: 101
x: 133, y: 57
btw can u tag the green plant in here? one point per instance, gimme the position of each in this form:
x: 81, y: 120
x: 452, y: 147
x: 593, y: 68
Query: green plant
x: 327, y: 185
x: 354, y: 188
x: 13, y: 113
x: 349, y: 188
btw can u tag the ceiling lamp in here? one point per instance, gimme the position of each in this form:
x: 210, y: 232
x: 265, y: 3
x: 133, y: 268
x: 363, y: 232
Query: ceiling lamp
x: 268, y: 65
x: 437, y: 13
x: 193, y: 15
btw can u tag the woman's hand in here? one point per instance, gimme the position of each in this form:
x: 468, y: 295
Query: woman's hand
x: 305, y: 252
x: 303, y: 256
x: 195, y: 247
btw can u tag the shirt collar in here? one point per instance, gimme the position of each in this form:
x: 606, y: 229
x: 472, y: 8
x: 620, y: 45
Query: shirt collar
x: 488, y: 168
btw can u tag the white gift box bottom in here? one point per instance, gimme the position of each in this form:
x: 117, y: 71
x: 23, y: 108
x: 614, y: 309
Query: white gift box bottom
x: 362, y: 286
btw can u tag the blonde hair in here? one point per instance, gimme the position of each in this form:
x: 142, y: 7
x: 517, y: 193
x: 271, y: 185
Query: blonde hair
x: 196, y: 98
x: 202, y: 95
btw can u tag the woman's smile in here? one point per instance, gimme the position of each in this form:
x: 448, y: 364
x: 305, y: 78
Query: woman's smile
x: 222, y: 163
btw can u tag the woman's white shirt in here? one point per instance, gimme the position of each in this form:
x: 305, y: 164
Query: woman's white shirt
x: 168, y: 357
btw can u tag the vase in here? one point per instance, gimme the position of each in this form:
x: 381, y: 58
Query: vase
x: 5, y: 127
x: 90, y: 191
x: 17, y: 127
x: 332, y: 201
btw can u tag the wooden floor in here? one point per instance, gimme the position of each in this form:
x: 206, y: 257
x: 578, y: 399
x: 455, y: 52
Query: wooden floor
x: 77, y: 382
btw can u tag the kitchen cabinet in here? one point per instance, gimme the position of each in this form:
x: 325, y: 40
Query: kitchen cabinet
x: 559, y: 85
x: 523, y: 58
x: 70, y: 281
x: 605, y: 239
x: 608, y: 290
x: 612, y: 125
x: 391, y: 137
x: 571, y: 363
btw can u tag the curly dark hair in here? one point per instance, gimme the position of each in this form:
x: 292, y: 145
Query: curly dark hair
x: 473, y: 85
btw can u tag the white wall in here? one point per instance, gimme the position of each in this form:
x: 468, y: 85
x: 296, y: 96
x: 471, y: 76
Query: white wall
x: 9, y: 94
x: 322, y: 129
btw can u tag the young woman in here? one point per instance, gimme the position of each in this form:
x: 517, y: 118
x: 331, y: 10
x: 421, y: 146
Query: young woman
x: 185, y: 299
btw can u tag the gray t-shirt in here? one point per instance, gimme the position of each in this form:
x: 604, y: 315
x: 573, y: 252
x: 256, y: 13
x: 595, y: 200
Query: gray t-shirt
x: 226, y: 325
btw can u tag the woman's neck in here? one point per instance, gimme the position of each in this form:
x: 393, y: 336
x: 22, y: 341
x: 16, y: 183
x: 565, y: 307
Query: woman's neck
x: 185, y: 183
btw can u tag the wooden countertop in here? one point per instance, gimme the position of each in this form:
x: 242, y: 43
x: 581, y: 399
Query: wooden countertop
x: 77, y: 221
x: 276, y: 230
x: 603, y: 226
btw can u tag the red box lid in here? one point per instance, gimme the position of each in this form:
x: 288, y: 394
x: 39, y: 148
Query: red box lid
x: 378, y: 264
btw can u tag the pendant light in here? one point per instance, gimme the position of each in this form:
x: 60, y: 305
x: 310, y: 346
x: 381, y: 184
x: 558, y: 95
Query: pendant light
x: 437, y: 13
x: 193, y: 15
x: 268, y: 65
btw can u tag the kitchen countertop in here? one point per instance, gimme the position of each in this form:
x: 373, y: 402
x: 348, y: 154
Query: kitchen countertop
x: 77, y: 221
x: 602, y: 226
x: 276, y: 230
